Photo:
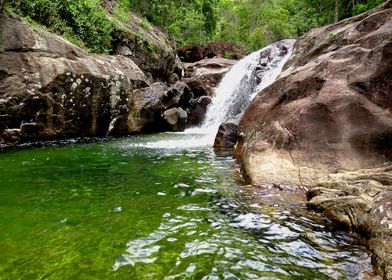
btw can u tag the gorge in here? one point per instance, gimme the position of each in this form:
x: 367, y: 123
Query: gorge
x: 308, y: 121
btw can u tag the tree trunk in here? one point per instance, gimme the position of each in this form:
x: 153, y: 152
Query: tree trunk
x: 336, y: 10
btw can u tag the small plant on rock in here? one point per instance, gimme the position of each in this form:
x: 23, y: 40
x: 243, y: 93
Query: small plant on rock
x: 332, y: 35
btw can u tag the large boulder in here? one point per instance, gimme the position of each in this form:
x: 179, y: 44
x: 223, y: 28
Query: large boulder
x: 147, y: 45
x: 194, y: 53
x: 147, y: 108
x: 209, y: 70
x: 331, y: 108
x: 50, y: 88
x: 176, y: 119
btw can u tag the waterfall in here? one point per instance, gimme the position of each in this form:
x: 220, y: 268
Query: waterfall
x: 236, y: 90
x: 242, y: 83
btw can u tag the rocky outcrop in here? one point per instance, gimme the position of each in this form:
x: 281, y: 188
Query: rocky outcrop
x: 362, y: 201
x: 328, y: 119
x: 209, y: 70
x: 330, y: 109
x: 150, y: 48
x: 50, y: 88
x: 193, y: 53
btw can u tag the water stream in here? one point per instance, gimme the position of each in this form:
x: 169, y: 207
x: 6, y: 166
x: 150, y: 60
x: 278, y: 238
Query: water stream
x: 162, y: 207
x: 118, y: 210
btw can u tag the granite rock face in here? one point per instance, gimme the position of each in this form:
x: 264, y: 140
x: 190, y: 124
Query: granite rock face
x: 209, y: 70
x: 147, y: 45
x: 50, y: 88
x: 329, y: 110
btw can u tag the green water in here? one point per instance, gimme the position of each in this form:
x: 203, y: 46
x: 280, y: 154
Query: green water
x: 120, y: 210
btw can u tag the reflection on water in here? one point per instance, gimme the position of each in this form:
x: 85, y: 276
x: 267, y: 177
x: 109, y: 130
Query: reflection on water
x: 138, y: 209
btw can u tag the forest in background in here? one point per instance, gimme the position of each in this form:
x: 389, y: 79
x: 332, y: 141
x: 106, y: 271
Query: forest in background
x: 250, y: 24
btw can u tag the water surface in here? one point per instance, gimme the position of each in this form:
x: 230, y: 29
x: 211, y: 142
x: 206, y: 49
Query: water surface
x: 136, y: 208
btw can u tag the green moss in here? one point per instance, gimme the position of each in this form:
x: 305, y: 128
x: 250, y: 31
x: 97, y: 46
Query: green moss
x: 146, y: 24
x: 229, y: 55
x: 149, y: 48
x: 332, y: 35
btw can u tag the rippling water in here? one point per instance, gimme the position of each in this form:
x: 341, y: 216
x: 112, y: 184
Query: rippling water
x: 139, y: 208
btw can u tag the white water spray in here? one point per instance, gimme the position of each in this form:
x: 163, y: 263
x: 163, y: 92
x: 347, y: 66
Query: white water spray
x: 244, y: 80
x: 236, y: 90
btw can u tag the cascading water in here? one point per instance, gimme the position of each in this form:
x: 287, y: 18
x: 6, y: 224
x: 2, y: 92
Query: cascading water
x: 236, y: 90
x: 242, y: 83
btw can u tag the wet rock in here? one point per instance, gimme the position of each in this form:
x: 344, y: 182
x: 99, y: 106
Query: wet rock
x: 198, y: 110
x: 197, y: 86
x: 177, y: 95
x: 176, y: 118
x: 361, y: 201
x: 226, y: 137
x: 209, y: 70
x: 9, y: 137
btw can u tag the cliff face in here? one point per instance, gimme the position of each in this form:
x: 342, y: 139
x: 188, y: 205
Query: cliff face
x: 326, y: 123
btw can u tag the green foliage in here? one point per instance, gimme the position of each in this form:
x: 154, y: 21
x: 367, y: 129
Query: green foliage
x: 229, y: 55
x: 121, y: 14
x: 146, y: 24
x: 332, y: 35
x: 250, y: 24
x: 80, y: 21
x: 367, y: 5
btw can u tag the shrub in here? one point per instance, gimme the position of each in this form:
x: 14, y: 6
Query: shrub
x: 81, y: 21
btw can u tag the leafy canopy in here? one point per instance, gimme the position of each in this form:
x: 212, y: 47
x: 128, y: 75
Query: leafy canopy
x: 251, y: 24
